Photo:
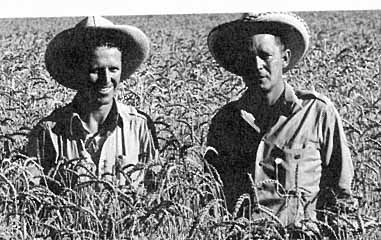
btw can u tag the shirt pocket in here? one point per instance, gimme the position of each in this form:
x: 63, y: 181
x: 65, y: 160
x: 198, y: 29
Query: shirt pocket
x: 300, y: 169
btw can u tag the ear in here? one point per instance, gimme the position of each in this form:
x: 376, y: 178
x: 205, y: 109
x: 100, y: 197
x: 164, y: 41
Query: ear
x: 286, y: 56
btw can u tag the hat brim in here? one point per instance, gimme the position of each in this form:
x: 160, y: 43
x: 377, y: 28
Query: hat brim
x: 227, y: 41
x: 67, y: 48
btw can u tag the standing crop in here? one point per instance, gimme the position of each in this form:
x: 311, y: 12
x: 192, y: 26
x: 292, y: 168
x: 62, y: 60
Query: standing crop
x: 182, y: 87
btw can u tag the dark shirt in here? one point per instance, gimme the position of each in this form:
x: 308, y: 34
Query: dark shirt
x: 295, y: 148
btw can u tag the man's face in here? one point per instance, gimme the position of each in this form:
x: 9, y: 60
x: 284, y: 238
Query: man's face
x: 263, y: 63
x: 101, y: 75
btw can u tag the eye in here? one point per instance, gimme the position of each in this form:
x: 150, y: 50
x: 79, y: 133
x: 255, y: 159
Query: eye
x: 113, y: 69
x: 264, y: 55
x: 93, y: 70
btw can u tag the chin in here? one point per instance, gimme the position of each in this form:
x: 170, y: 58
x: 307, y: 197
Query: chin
x: 104, y: 100
x: 99, y: 99
x: 259, y: 86
x: 265, y: 88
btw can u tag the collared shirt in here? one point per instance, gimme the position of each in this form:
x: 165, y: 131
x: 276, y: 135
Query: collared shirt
x: 299, y: 143
x: 126, y: 138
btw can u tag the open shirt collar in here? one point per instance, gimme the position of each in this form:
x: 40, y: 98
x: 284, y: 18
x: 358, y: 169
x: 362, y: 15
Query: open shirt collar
x: 78, y: 129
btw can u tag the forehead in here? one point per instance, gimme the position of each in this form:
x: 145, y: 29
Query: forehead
x: 263, y: 41
x: 105, y: 50
x: 104, y: 53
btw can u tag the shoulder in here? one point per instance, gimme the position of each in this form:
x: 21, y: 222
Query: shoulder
x: 227, y: 117
x: 59, y: 116
x: 312, y: 95
x: 226, y: 112
x: 131, y: 113
x: 320, y: 100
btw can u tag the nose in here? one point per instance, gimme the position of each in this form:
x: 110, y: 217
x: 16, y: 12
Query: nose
x: 260, y: 62
x: 105, y: 76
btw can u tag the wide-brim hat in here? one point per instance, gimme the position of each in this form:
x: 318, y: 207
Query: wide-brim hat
x: 227, y: 40
x: 66, y: 49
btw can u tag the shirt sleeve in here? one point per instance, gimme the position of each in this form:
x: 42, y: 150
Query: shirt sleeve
x: 151, y: 128
x: 222, y: 136
x: 39, y: 147
x: 215, y: 148
x: 337, y: 163
x: 149, y: 142
x: 149, y: 145
x: 212, y: 146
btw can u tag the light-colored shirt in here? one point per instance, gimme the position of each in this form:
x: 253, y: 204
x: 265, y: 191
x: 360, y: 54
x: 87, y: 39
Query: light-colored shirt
x: 126, y: 138
x: 296, y: 153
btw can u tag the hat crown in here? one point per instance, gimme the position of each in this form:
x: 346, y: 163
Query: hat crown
x: 66, y: 48
x: 252, y: 16
x: 224, y: 41
x: 94, y: 21
x: 288, y: 17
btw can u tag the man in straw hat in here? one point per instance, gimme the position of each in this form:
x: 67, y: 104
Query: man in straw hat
x: 290, y: 142
x: 97, y: 134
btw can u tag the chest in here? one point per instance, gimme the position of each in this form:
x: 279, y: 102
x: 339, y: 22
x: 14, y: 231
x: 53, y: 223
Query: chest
x: 104, y: 151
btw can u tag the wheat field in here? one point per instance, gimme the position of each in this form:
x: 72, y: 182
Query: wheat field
x: 181, y: 87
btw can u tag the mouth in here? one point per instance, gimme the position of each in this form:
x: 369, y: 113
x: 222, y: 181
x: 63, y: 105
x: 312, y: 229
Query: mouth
x: 257, y: 75
x: 260, y: 75
x: 104, y: 89
x: 261, y: 78
x: 258, y: 78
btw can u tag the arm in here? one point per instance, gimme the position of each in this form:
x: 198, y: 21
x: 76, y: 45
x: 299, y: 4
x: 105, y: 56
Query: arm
x: 149, y: 136
x: 40, y: 147
x: 150, y: 147
x: 148, y: 141
x: 337, y: 163
x: 214, y: 145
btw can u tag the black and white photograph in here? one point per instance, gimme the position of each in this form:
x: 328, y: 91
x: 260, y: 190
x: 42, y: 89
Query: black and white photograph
x: 197, y: 120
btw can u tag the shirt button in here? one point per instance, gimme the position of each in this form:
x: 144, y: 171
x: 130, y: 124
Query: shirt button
x: 278, y: 161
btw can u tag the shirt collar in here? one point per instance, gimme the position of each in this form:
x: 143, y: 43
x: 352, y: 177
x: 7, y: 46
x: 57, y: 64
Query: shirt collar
x: 77, y: 128
x: 291, y: 97
x: 289, y: 102
x: 293, y: 102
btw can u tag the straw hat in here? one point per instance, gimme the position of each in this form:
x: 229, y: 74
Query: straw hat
x: 68, y: 48
x: 227, y: 40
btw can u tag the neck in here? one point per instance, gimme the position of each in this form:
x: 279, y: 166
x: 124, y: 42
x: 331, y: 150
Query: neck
x: 272, y: 97
x: 267, y: 98
x: 94, y: 115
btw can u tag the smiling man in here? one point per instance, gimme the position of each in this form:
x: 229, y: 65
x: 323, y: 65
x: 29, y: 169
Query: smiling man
x: 291, y: 142
x: 97, y: 134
